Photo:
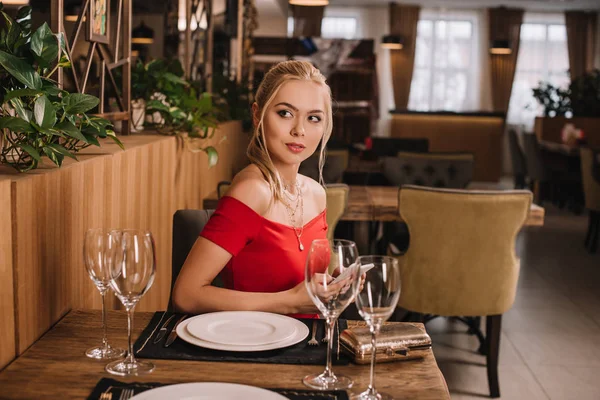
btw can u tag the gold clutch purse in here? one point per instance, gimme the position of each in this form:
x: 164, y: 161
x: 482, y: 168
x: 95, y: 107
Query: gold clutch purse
x: 395, y: 341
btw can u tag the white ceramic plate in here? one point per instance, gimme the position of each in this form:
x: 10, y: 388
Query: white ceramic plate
x: 208, y: 391
x: 300, y: 334
x: 242, y: 328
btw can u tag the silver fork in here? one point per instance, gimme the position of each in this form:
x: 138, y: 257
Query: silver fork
x: 313, y: 341
x: 126, y: 394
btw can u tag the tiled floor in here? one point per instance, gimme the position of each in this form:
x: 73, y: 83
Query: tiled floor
x: 550, y: 344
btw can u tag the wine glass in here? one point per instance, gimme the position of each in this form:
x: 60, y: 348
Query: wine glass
x: 375, y: 303
x: 95, y: 243
x: 331, y: 270
x: 131, y: 276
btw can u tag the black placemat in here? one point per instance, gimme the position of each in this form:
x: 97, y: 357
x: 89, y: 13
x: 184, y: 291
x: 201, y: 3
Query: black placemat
x: 300, y: 353
x: 107, y: 385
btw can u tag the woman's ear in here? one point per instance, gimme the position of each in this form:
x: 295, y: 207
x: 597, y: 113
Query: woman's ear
x: 255, y: 116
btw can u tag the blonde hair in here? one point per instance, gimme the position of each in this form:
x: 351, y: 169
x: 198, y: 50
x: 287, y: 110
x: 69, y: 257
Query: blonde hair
x: 273, y: 80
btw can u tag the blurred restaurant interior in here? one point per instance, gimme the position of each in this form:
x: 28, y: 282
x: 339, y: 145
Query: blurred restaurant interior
x: 465, y: 145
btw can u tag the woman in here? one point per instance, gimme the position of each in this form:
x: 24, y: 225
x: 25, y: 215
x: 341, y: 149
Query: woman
x: 259, y: 236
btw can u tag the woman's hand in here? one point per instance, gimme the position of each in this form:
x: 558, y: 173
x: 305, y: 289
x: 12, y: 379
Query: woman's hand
x: 300, y: 301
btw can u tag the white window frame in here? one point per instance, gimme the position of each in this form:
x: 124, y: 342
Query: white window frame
x: 547, y: 20
x: 471, y: 96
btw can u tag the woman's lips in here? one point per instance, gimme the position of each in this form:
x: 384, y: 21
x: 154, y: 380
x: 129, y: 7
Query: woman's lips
x: 295, y: 147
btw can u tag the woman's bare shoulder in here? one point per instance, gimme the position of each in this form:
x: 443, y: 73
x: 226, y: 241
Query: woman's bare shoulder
x: 316, y: 191
x: 250, y: 187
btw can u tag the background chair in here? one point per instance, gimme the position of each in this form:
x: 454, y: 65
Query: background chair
x: 333, y: 170
x: 540, y: 177
x: 222, y: 188
x: 187, y: 226
x: 461, y: 260
x: 337, y: 201
x: 517, y: 158
x: 591, y: 190
x: 389, y: 147
x: 448, y: 170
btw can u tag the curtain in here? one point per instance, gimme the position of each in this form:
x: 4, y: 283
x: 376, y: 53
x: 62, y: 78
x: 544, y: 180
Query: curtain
x: 403, y: 22
x: 581, y: 38
x: 504, y: 24
x: 307, y: 20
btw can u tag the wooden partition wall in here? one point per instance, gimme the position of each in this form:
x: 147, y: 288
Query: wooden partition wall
x: 140, y: 187
x: 479, y: 134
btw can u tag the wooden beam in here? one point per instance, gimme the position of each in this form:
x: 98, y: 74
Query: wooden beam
x: 88, y: 66
x: 240, y: 42
x: 126, y: 84
x: 57, y: 25
x: 187, y: 68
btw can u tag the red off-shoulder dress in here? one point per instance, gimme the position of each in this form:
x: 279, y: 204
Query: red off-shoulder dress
x: 266, y: 254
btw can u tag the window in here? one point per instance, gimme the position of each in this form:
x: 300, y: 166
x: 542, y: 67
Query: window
x: 543, y: 56
x: 332, y: 27
x: 443, y: 78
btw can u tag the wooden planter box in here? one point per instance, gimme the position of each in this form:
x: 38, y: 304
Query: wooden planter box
x: 549, y: 129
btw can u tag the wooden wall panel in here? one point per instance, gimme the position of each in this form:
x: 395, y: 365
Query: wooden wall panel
x: 7, y: 305
x: 109, y: 188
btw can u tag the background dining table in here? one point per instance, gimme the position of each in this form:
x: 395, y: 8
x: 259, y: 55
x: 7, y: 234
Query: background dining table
x: 380, y: 203
x: 55, y: 366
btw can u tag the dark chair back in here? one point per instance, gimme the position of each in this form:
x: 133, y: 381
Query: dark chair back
x: 517, y: 158
x: 533, y: 156
x: 187, y: 226
x: 389, y: 147
x: 442, y: 170
x: 336, y: 163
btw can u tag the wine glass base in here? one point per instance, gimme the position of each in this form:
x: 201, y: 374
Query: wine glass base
x: 371, y: 396
x: 128, y: 368
x: 321, y: 382
x: 104, y: 352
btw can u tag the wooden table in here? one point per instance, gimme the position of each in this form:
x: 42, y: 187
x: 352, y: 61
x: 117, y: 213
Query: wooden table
x: 56, y: 367
x: 380, y: 203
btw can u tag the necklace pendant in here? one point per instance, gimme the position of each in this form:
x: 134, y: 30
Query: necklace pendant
x: 301, y: 246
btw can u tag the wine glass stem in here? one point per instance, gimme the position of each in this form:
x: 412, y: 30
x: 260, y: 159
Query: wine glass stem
x: 130, y: 357
x: 330, y: 324
x: 104, y: 340
x: 371, y: 389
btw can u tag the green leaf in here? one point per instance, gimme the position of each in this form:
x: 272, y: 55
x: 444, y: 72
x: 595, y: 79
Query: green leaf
x: 20, y: 70
x: 78, y: 103
x: 21, y: 93
x: 60, y: 149
x: 20, y: 109
x: 70, y: 130
x: 31, y: 151
x: 16, y: 124
x: 112, y: 135
x: 13, y: 34
x: 91, y: 139
x: 44, y: 45
x: 56, y: 157
x: 175, y: 79
x: 213, y: 156
x: 156, y: 105
x: 177, y: 113
x: 44, y: 112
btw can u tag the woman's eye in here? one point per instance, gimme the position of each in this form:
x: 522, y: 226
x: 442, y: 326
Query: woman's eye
x: 284, y: 113
x: 314, y: 118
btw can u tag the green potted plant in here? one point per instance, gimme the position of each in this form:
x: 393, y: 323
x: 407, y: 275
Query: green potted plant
x: 579, y: 106
x: 38, y: 119
x: 175, y: 107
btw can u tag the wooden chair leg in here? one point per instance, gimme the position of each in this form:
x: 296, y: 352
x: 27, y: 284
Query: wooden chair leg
x: 493, y: 327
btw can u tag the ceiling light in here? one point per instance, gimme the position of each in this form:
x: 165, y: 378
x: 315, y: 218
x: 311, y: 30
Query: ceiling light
x: 392, y: 42
x: 500, y: 47
x: 309, y: 2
